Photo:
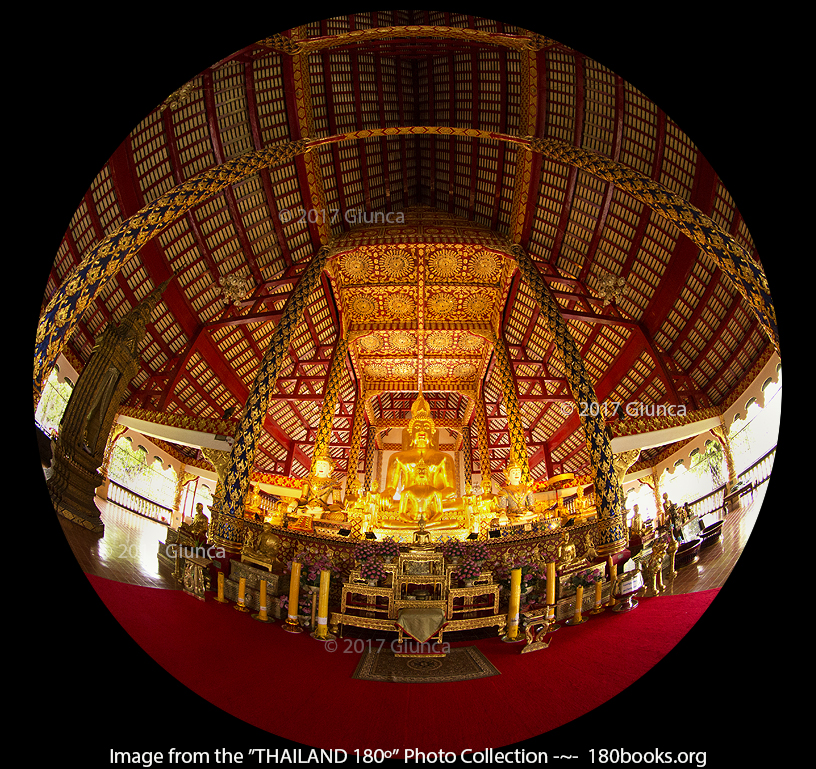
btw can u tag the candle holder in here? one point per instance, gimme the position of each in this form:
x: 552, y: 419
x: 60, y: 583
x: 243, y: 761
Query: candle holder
x: 263, y: 613
x: 220, y: 597
x: 599, y: 607
x: 241, y: 605
x: 551, y: 607
x: 577, y: 618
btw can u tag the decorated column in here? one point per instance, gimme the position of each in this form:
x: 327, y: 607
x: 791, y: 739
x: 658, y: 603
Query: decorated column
x: 352, y: 481
x: 330, y: 397
x: 480, y: 423
x: 608, y: 492
x: 227, y: 525
x: 515, y: 428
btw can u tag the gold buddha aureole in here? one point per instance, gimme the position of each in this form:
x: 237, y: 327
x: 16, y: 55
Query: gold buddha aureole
x: 424, y: 478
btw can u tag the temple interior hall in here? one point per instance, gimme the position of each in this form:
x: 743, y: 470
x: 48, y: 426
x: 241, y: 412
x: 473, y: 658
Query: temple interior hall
x: 443, y: 334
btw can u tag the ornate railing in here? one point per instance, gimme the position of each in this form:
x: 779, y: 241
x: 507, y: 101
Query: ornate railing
x: 750, y: 479
x: 138, y: 504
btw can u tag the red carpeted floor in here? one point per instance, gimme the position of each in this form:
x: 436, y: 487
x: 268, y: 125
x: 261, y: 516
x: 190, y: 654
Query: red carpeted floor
x: 293, y: 687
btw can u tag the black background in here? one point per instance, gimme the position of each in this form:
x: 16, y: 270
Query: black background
x: 91, y: 79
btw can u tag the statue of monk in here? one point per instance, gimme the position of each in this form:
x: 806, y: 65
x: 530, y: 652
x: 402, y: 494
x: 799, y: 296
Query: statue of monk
x: 200, y: 524
x: 424, y: 475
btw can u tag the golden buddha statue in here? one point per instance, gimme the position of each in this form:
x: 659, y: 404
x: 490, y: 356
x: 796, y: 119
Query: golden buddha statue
x: 424, y: 476
x: 320, y: 493
x: 199, y: 526
x: 516, y: 498
x: 265, y: 550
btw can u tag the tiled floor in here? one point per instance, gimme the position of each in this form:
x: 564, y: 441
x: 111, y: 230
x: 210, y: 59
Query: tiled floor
x: 127, y: 551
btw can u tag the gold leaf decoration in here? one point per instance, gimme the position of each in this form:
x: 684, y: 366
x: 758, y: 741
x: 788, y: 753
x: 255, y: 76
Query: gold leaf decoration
x: 363, y: 306
x: 402, y: 340
x: 436, y: 370
x: 404, y: 370
x: 376, y: 370
x: 464, y: 371
x: 438, y: 341
x: 397, y: 264
x: 442, y: 304
x: 484, y: 266
x: 470, y: 343
x: 356, y: 266
x: 445, y: 263
x: 371, y: 343
x: 478, y: 305
x: 400, y: 305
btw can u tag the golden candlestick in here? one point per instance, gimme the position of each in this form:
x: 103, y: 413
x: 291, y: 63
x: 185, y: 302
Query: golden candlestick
x: 598, y: 608
x: 220, y: 597
x: 240, y: 606
x: 578, y: 618
x: 321, y: 631
x: 613, y: 576
x: 512, y: 634
x: 292, y: 625
x: 263, y: 614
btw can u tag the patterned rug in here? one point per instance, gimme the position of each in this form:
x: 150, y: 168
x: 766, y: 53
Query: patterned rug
x: 460, y: 664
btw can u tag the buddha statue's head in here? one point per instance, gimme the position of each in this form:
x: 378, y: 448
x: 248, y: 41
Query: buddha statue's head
x: 513, y: 473
x: 421, y: 426
x: 322, y: 467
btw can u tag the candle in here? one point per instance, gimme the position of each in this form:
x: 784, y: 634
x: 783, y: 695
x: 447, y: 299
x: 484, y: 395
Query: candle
x: 262, y: 612
x: 292, y: 624
x: 598, y: 593
x: 241, y: 595
x: 321, y: 630
x: 551, y: 590
x: 579, y: 600
x: 515, y: 604
x: 220, y: 597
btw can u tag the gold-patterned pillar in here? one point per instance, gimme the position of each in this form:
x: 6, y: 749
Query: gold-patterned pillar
x: 515, y: 427
x: 467, y: 454
x: 480, y: 423
x: 352, y: 481
x: 369, y: 458
x: 612, y: 535
x: 330, y: 398
x: 227, y: 526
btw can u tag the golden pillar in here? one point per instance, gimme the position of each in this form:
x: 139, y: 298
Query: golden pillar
x: 480, y: 423
x: 515, y: 427
x: 352, y: 481
x: 330, y: 397
x: 721, y: 433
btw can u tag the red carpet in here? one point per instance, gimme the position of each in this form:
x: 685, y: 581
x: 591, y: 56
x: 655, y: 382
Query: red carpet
x: 291, y: 686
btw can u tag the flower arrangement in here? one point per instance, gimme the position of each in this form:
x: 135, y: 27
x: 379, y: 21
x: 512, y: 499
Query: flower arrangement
x: 531, y: 572
x: 311, y: 566
x: 365, y: 551
x: 388, y: 548
x: 470, y: 569
x: 477, y: 551
x: 304, y: 604
x: 585, y: 579
x: 373, y: 569
x: 454, y: 548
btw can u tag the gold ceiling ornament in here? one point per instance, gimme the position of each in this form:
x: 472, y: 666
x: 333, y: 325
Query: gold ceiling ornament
x: 371, y: 343
x: 445, y: 263
x: 402, y: 340
x: 464, y: 371
x: 484, y: 265
x: 363, y: 306
x: 404, y: 370
x: 470, y: 342
x: 400, y: 305
x: 478, y: 305
x: 356, y: 266
x: 397, y: 263
x: 436, y: 371
x: 376, y: 370
x: 438, y: 340
x: 442, y: 304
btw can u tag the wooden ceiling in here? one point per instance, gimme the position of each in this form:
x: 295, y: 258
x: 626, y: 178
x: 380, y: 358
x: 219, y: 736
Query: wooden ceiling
x: 678, y: 333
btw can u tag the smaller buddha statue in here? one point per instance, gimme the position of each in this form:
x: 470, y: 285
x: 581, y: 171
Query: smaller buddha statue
x: 252, y: 503
x: 320, y: 494
x: 421, y: 536
x: 199, y: 526
x: 516, y: 499
x: 265, y: 551
x: 636, y: 527
x: 566, y: 554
